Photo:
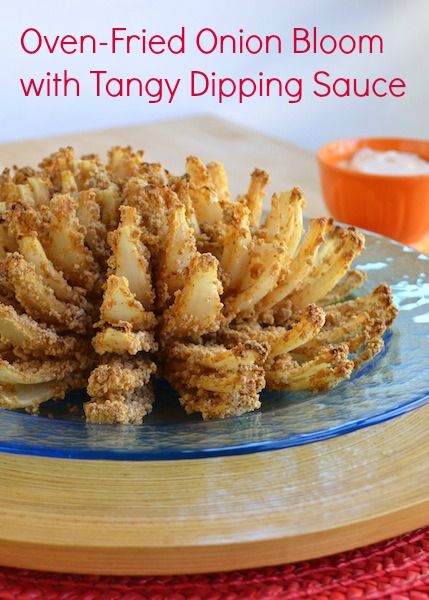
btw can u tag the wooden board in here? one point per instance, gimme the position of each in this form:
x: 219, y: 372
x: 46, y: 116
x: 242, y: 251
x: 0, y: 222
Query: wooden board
x: 210, y: 138
x: 190, y: 516
x: 213, y: 514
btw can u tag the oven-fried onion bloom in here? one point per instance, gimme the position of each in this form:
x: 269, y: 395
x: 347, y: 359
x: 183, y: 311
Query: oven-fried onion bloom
x: 113, y: 274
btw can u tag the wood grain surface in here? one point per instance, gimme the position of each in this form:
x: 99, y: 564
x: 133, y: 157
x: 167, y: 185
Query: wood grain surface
x: 190, y: 516
x: 211, y: 138
x: 212, y: 514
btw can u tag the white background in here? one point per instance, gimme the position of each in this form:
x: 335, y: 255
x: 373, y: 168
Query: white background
x: 402, y: 23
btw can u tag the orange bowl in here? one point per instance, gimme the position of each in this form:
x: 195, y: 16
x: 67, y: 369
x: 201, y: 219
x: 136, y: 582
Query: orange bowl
x: 395, y: 205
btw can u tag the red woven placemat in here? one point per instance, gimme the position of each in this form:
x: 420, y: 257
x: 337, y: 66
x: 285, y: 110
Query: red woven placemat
x: 397, y: 569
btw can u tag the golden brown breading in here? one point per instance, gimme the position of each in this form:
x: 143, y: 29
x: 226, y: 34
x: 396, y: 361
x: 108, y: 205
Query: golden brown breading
x: 236, y: 245
x: 28, y: 336
x: 255, y: 195
x: 89, y: 216
x: 176, y: 255
x: 149, y: 200
x: 218, y: 179
x: 65, y: 243
x: 26, y: 383
x: 39, y: 300
x: 122, y: 341
x: 217, y: 381
x: 31, y: 396
x: 284, y: 220
x: 330, y: 268
x: 266, y: 259
x: 298, y: 268
x: 117, y: 376
x: 214, y: 405
x: 119, y: 390
x: 33, y: 252
x: 170, y: 269
x: 196, y: 309
x: 124, y: 163
x: 120, y: 307
x: 348, y: 284
x: 57, y: 162
x: 36, y: 371
x: 131, y: 409
x: 130, y: 258
x: 328, y: 368
x: 279, y: 340
x: 109, y: 201
x: 378, y: 304
x: 7, y: 241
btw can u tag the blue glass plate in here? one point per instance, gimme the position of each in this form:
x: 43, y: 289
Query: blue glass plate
x: 395, y: 382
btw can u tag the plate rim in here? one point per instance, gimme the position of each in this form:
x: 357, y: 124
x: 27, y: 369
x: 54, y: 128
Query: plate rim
x: 119, y: 454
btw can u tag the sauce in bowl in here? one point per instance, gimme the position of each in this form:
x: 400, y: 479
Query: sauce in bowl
x: 389, y: 162
x: 380, y: 184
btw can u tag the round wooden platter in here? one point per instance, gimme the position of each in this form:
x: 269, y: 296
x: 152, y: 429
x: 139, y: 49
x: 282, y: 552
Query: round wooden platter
x: 190, y: 516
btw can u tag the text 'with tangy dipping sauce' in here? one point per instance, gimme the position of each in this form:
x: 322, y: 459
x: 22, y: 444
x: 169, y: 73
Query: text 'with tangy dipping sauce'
x: 389, y: 162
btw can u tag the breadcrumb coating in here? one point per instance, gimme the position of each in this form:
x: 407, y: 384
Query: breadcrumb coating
x: 119, y: 390
x: 117, y: 377
x: 131, y: 409
x: 39, y: 300
x: 122, y: 341
x: 33, y: 338
x: 115, y: 273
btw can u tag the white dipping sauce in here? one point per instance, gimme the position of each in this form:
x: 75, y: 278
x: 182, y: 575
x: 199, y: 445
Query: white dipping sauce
x: 390, y: 162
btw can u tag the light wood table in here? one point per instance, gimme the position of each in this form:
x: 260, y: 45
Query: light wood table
x: 166, y: 517
x: 210, y: 138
